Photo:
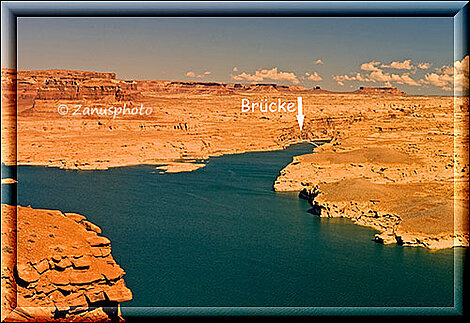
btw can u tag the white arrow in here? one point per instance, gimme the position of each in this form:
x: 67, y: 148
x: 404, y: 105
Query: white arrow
x: 300, y: 116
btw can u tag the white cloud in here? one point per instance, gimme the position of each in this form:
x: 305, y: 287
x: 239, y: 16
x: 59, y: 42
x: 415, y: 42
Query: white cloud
x: 408, y: 80
x: 446, y: 69
x: 439, y: 80
x: 461, y: 66
x: 371, y: 66
x: 380, y: 76
x: 377, y: 75
x: 424, y: 66
x: 192, y: 74
x: 313, y: 77
x: 357, y: 77
x: 405, y: 65
x: 461, y: 74
x: 448, y: 77
x: 318, y: 61
x: 264, y: 74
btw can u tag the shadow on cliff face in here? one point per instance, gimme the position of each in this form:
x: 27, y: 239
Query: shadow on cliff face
x: 310, y: 194
x: 19, y: 282
x: 110, y: 308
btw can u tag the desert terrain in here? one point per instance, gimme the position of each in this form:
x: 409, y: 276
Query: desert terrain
x: 394, y: 162
x: 403, y: 171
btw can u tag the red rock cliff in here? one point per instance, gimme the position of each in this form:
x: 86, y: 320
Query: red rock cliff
x: 62, y: 269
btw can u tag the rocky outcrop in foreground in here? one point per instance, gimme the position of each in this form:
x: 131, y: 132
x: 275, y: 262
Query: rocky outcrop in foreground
x: 57, y: 267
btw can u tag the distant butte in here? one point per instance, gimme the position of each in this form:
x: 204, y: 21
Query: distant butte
x: 86, y: 85
x: 379, y: 90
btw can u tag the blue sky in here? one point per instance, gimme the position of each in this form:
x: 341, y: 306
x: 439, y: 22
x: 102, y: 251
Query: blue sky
x: 208, y: 49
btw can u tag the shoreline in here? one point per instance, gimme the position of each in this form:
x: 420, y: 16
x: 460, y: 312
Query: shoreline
x: 365, y: 215
x: 395, y: 143
x: 175, y: 165
x: 414, y: 192
x: 384, y: 223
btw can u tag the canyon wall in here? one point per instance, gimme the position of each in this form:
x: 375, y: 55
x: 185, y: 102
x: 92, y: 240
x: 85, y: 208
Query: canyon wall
x: 53, y: 85
x: 57, y: 267
x: 402, y: 170
x: 380, y: 141
x: 38, y: 87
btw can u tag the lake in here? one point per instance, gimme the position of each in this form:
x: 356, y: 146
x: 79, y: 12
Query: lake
x: 220, y: 237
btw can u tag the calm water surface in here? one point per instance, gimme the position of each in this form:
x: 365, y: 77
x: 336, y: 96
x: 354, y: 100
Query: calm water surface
x: 220, y: 236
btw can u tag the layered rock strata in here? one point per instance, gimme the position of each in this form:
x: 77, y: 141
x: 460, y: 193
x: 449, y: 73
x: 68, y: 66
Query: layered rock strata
x: 57, y: 267
x: 380, y: 139
x: 403, y: 171
x: 189, y: 120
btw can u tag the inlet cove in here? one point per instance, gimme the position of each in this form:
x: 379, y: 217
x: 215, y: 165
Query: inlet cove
x: 220, y: 236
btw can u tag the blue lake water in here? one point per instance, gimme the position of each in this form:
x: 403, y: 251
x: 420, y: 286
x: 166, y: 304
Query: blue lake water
x: 221, y: 237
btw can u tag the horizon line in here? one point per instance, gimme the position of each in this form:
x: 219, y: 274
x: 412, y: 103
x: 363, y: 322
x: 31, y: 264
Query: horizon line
x: 316, y: 87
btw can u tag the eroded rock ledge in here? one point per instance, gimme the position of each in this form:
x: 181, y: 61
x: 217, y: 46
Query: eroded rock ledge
x: 403, y: 172
x: 62, y: 269
x: 389, y: 224
x: 189, y: 120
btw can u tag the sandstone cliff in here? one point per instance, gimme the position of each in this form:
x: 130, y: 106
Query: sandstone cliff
x: 57, y: 267
x: 50, y: 85
x: 402, y: 170
x: 37, y: 88
x: 381, y: 139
